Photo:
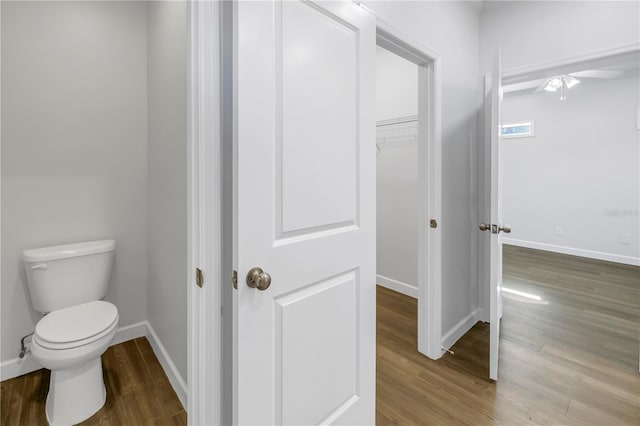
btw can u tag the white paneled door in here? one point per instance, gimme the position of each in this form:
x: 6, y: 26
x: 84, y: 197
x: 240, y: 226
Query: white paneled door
x: 304, y: 331
x: 496, y: 227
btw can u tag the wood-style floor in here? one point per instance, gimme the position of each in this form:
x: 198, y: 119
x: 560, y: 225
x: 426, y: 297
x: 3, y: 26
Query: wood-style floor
x: 138, y: 392
x: 570, y: 358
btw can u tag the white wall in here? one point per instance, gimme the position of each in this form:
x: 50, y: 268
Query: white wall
x: 397, y: 175
x: 530, y: 32
x: 451, y: 29
x: 74, y: 145
x: 396, y: 86
x: 579, y: 172
x: 167, y: 185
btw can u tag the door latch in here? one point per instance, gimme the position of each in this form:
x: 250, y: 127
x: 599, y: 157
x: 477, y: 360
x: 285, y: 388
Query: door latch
x: 495, y: 229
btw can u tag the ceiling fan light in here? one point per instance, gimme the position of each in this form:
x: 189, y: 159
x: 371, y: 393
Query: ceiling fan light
x: 553, y: 84
x: 571, y: 81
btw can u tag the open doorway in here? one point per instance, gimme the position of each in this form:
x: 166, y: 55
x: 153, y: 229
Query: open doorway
x: 408, y: 214
x: 409, y: 179
x: 397, y: 173
x: 571, y: 281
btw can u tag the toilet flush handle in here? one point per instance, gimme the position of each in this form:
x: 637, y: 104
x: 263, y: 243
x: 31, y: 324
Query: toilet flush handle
x: 39, y: 266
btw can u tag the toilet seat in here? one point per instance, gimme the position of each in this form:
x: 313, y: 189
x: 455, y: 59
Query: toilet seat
x: 76, y: 325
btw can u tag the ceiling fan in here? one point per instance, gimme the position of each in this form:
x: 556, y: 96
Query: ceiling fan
x: 564, y: 82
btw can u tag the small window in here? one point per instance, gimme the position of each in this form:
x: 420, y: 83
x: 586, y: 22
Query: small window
x: 517, y: 130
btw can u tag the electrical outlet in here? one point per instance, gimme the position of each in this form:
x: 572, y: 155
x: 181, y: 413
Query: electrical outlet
x: 625, y: 239
x: 559, y: 231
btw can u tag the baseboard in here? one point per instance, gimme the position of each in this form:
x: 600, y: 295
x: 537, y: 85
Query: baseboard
x: 483, y: 315
x: 459, y: 330
x: 130, y: 332
x: 17, y: 367
x: 176, y: 380
x: 399, y: 286
x: 609, y: 257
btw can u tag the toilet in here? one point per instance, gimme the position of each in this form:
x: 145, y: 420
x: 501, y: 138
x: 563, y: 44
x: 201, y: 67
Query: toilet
x: 66, y: 283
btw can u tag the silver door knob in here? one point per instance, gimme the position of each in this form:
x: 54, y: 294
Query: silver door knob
x: 484, y: 226
x: 257, y: 278
x: 506, y: 229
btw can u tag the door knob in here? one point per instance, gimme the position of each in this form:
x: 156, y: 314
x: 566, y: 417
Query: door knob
x: 257, y: 278
x: 484, y: 226
x: 506, y: 229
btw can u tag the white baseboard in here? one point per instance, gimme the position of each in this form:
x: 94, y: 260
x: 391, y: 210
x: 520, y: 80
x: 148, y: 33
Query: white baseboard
x: 459, y: 330
x: 483, y: 315
x: 17, y: 367
x: 176, y: 380
x: 609, y: 257
x: 399, y: 286
x: 130, y: 332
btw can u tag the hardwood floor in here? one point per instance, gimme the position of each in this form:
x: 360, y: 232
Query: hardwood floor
x: 138, y: 392
x: 569, y: 358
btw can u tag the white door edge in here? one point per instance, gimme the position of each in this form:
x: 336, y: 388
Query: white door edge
x: 204, y: 214
x: 430, y: 185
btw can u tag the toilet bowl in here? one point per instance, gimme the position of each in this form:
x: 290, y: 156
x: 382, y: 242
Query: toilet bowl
x: 70, y: 342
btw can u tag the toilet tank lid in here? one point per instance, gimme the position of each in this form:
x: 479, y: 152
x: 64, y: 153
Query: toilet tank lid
x: 68, y: 250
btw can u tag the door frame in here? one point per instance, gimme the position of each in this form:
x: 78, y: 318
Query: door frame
x: 512, y: 75
x: 429, y: 200
x: 204, y: 218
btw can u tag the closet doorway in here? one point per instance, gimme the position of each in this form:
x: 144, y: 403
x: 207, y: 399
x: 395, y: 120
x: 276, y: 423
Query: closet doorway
x: 397, y: 173
x: 408, y: 183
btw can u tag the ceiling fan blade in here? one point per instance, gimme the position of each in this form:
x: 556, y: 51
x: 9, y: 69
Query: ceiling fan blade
x: 542, y: 85
x: 596, y: 74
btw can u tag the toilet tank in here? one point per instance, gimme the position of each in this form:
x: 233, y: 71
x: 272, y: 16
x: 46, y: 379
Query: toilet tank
x: 67, y: 275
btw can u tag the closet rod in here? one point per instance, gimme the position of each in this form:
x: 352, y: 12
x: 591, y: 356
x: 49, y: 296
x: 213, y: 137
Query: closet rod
x: 394, y: 121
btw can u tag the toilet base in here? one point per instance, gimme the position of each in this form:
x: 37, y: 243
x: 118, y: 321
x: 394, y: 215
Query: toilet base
x: 75, y: 393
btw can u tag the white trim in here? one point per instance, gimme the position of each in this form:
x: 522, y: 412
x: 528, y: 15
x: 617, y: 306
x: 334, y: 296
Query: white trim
x: 170, y: 369
x: 204, y: 320
x: 620, y: 49
x: 17, y: 367
x: 460, y: 329
x: 399, y: 286
x: 130, y: 332
x: 430, y: 186
x: 591, y: 254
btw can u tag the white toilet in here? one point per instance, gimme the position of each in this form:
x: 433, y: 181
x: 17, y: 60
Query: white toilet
x: 67, y: 282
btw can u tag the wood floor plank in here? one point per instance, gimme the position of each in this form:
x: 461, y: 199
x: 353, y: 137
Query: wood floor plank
x: 150, y: 361
x: 179, y: 419
x: 126, y: 369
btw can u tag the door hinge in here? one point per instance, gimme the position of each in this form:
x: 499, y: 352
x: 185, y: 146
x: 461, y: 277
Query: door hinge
x: 199, y: 277
x: 234, y: 279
